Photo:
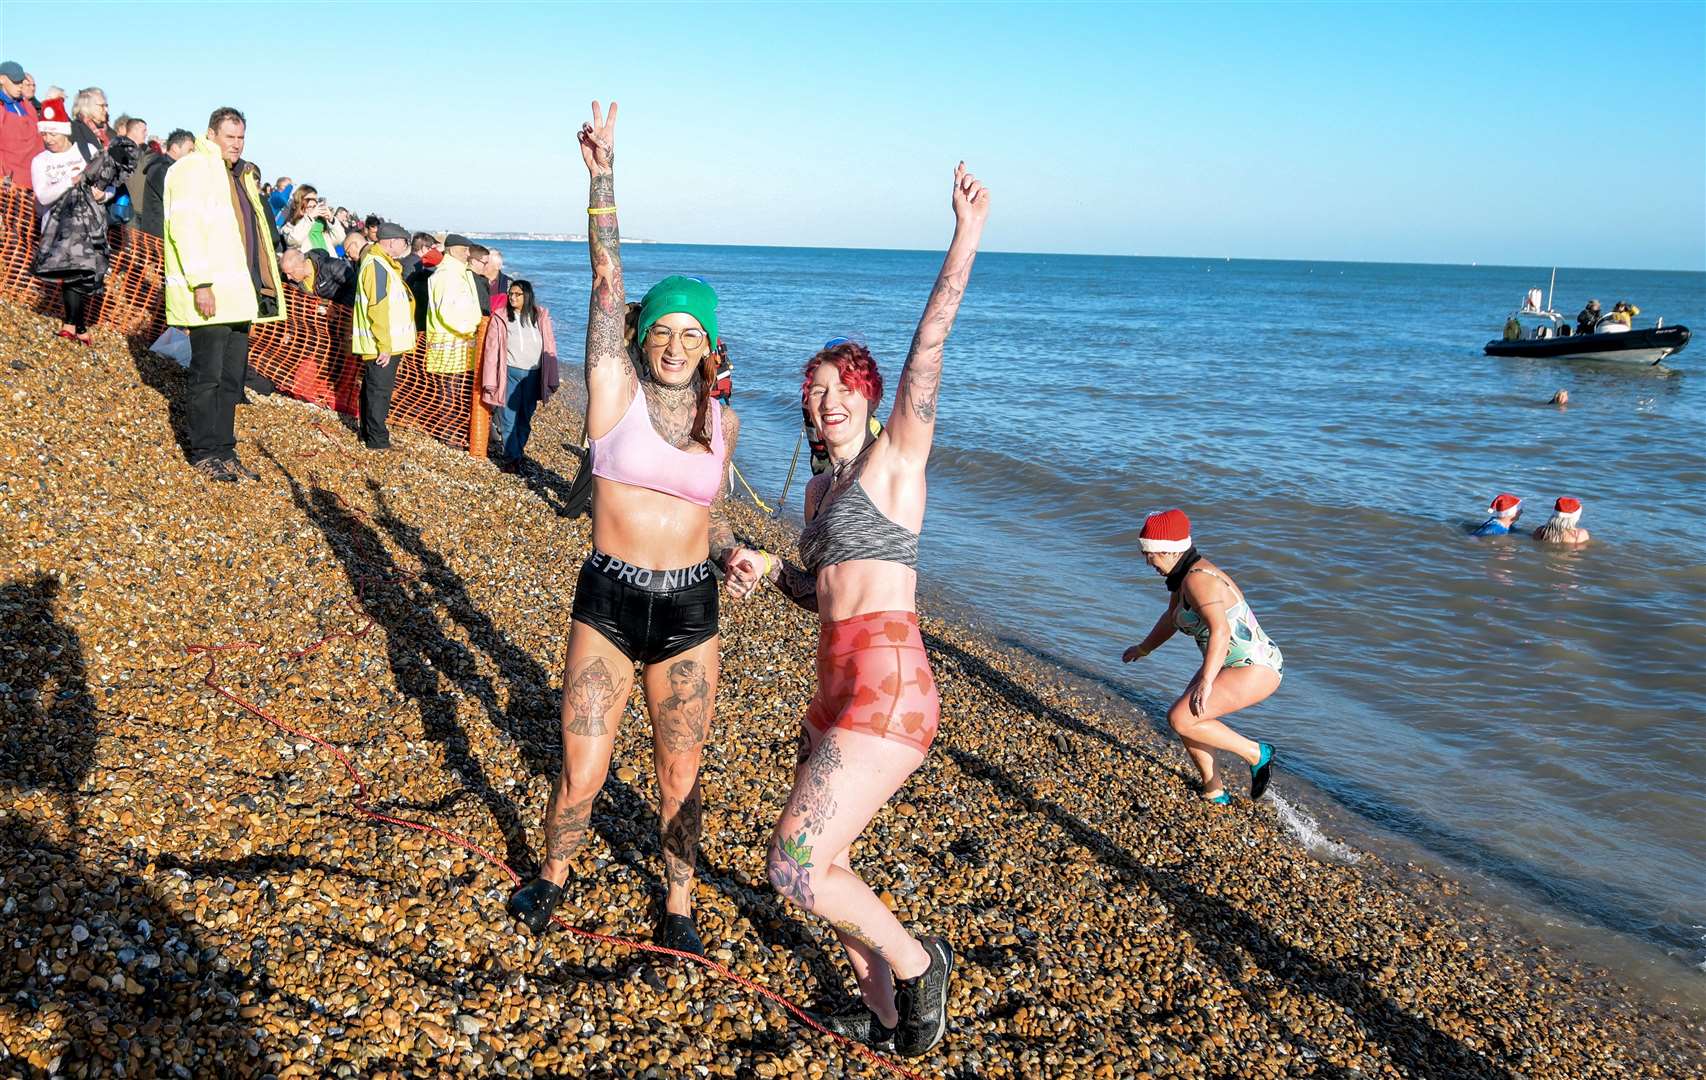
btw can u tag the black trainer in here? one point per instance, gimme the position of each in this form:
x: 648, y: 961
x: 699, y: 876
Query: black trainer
x: 242, y: 471
x: 532, y: 904
x: 923, y: 1002
x: 678, y: 932
x: 215, y: 469
x: 859, y: 1023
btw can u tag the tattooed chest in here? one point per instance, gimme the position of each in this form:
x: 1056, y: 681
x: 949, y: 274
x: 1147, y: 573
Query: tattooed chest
x: 673, y: 422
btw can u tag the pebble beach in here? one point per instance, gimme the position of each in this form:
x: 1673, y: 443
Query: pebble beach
x: 188, y: 891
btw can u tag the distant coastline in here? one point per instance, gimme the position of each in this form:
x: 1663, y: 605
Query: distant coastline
x: 565, y: 238
x: 580, y: 238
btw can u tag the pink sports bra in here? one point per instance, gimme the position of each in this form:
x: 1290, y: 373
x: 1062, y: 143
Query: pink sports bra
x: 634, y: 453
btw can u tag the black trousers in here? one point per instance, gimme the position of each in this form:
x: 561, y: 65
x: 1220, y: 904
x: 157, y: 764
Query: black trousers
x: 219, y: 356
x: 376, y: 386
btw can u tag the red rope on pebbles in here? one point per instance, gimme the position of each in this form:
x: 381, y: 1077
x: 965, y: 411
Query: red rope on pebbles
x: 360, y: 803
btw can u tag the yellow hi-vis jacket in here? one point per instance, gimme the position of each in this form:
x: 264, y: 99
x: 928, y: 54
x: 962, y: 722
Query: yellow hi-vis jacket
x: 453, y: 317
x: 204, y: 241
x: 384, y: 317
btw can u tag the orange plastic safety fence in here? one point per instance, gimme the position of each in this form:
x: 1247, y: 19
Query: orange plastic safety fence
x: 306, y: 356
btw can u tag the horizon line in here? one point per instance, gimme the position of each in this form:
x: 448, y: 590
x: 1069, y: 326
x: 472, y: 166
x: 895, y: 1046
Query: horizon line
x: 554, y: 238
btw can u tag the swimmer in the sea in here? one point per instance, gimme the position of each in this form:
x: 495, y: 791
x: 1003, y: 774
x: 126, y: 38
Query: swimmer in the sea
x: 1502, y: 515
x: 1562, y: 527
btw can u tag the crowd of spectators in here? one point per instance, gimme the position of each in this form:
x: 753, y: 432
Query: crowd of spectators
x: 236, y: 248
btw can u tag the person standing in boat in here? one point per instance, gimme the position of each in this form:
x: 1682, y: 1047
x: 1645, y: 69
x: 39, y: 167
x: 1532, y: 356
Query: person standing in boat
x: 1588, y: 318
x: 1502, y: 514
x: 1562, y: 527
x: 1623, y: 314
x: 646, y: 593
x: 1241, y: 666
x: 877, y: 707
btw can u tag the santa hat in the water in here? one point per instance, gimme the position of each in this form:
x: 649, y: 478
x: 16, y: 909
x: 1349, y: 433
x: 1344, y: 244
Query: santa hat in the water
x: 1504, y: 503
x: 1170, y: 530
x: 1567, y: 511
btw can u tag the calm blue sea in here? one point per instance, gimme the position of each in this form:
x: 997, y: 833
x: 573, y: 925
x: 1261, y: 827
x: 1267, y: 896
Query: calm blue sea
x: 1532, y: 717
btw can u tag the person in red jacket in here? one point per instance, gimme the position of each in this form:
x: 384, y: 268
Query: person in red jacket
x: 20, y: 141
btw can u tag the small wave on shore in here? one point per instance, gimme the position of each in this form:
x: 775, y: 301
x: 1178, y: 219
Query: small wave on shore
x: 1303, y: 825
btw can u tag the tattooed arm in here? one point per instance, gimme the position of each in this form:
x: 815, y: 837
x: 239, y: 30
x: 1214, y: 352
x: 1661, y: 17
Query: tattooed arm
x: 912, y: 424
x: 790, y: 580
x: 794, y: 583
x: 609, y: 374
x: 723, y: 542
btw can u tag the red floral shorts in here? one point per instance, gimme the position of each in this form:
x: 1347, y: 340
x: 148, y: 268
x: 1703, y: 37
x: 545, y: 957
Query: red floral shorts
x: 873, y: 677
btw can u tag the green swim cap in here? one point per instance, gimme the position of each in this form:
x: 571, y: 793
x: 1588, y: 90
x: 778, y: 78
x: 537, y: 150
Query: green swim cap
x: 687, y: 295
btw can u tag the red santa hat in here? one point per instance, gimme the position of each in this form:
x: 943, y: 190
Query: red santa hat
x: 1504, y: 503
x: 54, y: 119
x: 1568, y: 511
x: 1170, y: 530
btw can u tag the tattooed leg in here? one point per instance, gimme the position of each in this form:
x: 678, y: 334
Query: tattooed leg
x: 566, y: 824
x: 870, y: 970
x: 587, y: 698
x: 596, y: 683
x: 847, y: 779
x: 683, y: 719
x: 681, y: 823
x: 681, y: 692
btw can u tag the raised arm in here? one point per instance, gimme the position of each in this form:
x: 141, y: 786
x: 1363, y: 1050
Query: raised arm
x: 912, y: 424
x: 608, y: 370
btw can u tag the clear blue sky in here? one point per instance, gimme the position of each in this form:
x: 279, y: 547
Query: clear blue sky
x: 1527, y: 133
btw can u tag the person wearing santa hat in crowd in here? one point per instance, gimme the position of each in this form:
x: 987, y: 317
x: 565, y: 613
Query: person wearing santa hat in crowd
x: 1241, y: 666
x: 75, y: 252
x: 1504, y: 510
x: 1562, y: 527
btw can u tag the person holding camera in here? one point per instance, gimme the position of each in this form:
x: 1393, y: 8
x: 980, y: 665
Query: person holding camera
x: 309, y: 224
x: 221, y: 278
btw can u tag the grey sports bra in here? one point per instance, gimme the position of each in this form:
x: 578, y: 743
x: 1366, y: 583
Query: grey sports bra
x: 851, y: 527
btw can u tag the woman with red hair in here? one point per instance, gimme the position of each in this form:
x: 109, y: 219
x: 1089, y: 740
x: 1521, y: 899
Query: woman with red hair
x: 1241, y: 666
x: 876, y: 707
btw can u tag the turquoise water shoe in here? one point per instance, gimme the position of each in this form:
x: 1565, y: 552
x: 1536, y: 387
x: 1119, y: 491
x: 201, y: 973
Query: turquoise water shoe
x: 1262, y: 771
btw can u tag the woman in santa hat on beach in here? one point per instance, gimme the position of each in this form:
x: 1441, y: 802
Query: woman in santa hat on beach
x: 1240, y: 667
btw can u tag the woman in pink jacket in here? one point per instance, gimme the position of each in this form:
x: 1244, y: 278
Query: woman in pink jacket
x: 518, y: 369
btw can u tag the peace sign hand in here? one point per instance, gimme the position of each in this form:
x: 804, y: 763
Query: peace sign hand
x: 598, y: 141
x: 971, y: 198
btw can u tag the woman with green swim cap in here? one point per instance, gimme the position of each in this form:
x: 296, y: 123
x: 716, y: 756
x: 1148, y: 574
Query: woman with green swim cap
x: 646, y: 594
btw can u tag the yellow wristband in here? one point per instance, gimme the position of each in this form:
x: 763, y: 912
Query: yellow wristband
x: 600, y: 211
x: 769, y: 563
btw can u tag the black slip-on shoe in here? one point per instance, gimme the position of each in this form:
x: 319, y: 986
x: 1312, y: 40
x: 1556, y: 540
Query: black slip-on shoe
x: 923, y: 1002
x: 678, y: 932
x: 532, y: 904
x: 858, y: 1023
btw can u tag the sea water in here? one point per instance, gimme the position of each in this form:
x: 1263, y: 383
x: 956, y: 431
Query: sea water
x: 1531, y: 715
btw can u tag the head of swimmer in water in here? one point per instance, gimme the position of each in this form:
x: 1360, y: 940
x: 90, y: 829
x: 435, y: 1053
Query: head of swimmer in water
x: 842, y: 388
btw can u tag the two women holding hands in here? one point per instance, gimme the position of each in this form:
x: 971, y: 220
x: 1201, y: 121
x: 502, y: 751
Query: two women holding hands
x: 646, y: 595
